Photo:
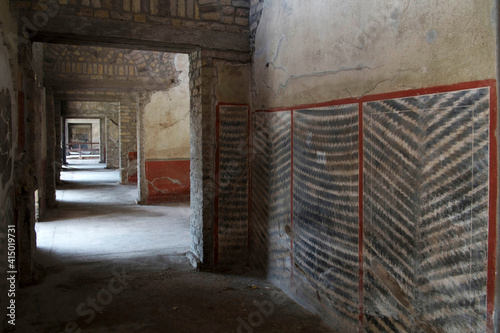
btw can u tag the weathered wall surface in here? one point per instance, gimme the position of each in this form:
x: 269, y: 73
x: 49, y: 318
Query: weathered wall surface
x: 209, y: 30
x: 167, y: 118
x: 231, y: 228
x: 306, y: 54
x: 360, y: 209
x: 232, y: 179
x: 108, y: 68
x: 393, y: 234
x: 166, y: 139
x: 7, y: 144
x: 219, y: 15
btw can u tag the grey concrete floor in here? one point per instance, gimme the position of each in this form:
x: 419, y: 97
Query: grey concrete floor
x: 108, y: 265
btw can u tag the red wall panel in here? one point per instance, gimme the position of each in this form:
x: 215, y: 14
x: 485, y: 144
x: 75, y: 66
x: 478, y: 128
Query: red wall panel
x: 168, y: 181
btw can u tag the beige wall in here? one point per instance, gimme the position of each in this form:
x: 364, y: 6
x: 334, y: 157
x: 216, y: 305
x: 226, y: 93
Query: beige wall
x: 166, y: 118
x: 307, y: 53
x: 233, y: 83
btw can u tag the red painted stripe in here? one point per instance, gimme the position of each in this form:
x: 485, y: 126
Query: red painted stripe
x: 216, y: 189
x: 250, y: 180
x: 391, y: 95
x: 492, y: 232
x: 493, y: 194
x: 291, y: 192
x: 360, y: 215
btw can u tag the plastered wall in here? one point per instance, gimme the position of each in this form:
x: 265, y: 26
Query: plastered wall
x: 7, y: 146
x: 166, y: 140
x: 307, y: 53
x: 340, y: 132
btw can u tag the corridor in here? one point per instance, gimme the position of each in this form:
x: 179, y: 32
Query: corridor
x: 108, y: 265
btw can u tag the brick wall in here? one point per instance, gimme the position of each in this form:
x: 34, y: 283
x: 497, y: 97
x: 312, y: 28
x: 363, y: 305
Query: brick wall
x: 65, y: 64
x: 219, y: 15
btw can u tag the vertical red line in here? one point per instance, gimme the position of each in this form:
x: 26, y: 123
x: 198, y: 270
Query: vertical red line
x: 291, y: 191
x: 492, y: 232
x: 360, y: 215
x: 250, y: 180
x: 216, y: 189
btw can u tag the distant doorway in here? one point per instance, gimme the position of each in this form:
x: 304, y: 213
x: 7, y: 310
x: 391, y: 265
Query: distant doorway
x: 83, y: 139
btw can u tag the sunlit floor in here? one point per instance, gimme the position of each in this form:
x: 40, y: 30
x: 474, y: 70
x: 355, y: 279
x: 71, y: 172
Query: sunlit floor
x: 108, y: 265
x: 98, y: 218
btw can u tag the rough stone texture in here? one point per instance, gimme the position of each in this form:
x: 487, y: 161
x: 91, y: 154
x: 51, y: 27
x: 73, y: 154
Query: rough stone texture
x: 369, y: 48
x: 187, y: 26
x: 176, y: 13
x: 75, y: 22
x: 109, y: 68
x: 112, y: 141
x: 6, y: 137
x: 40, y: 129
x: 51, y: 147
x: 6, y: 172
x: 196, y: 166
x: 128, y: 133
x: 58, y: 155
x: 27, y: 167
x: 232, y: 189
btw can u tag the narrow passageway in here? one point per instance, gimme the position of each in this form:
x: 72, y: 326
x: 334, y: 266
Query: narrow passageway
x: 108, y: 265
x: 98, y: 218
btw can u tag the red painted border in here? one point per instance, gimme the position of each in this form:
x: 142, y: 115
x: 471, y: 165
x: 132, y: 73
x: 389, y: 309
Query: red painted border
x: 360, y: 216
x: 492, y: 232
x: 217, y: 178
x: 391, y: 95
x: 493, y: 194
x: 291, y: 190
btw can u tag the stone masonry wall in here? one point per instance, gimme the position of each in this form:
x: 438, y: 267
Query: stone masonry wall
x: 219, y: 15
x: 63, y: 64
x: 215, y: 30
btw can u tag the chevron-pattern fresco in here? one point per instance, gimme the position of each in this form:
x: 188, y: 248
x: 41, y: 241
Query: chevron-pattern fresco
x: 426, y: 212
x: 325, y: 209
x: 271, y: 194
x: 233, y: 184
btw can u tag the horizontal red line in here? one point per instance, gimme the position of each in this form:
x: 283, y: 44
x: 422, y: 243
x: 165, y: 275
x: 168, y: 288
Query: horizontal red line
x: 390, y: 95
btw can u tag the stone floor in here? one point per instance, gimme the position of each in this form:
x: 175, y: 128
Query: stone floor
x: 108, y: 265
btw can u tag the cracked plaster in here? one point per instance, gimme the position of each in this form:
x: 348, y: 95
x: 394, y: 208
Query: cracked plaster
x: 335, y: 49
